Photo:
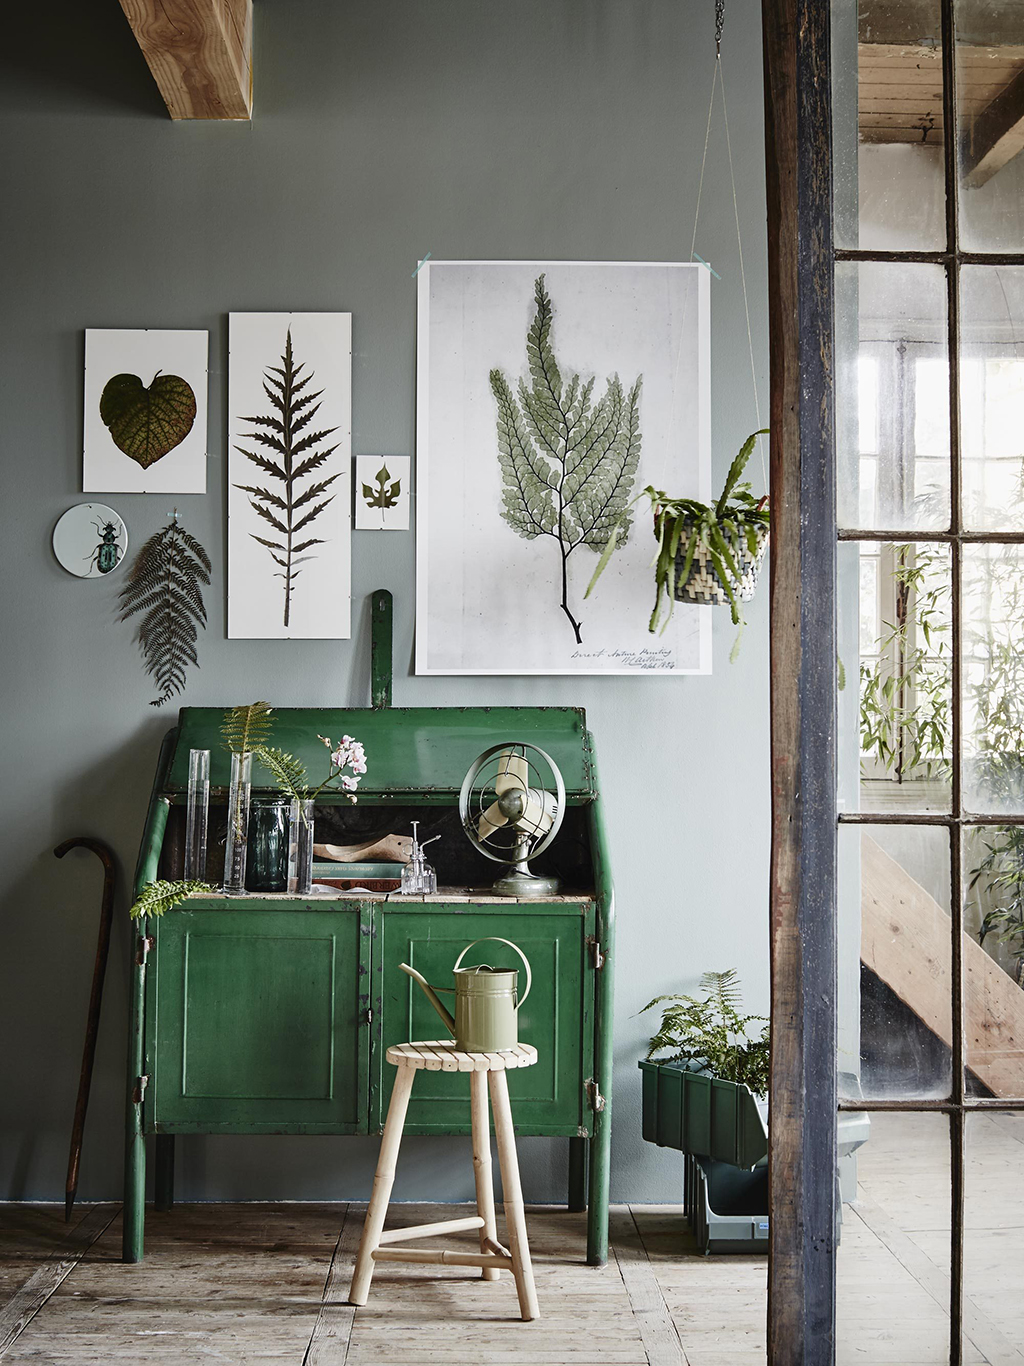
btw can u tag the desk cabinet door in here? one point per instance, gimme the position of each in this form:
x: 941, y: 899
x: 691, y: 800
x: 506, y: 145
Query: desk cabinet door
x: 557, y: 1019
x: 257, y: 1021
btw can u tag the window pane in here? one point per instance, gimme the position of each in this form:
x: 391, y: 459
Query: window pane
x: 994, y: 959
x: 993, y: 1237
x: 990, y: 103
x: 887, y: 103
x: 892, y: 396
x: 992, y: 397
x: 993, y: 678
x: 895, y: 657
x: 894, y: 949
x: 894, y: 1244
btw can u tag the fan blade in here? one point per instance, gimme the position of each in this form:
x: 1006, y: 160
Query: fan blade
x: 539, y: 813
x: 492, y: 819
x: 513, y: 772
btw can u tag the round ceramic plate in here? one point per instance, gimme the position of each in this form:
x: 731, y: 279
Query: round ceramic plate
x: 90, y: 540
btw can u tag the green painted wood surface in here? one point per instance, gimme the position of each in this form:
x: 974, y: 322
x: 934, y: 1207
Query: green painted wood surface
x: 381, y: 609
x: 547, y: 1098
x: 256, y: 1020
x: 411, y: 751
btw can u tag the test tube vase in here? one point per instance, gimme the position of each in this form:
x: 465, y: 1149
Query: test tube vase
x: 237, y: 842
x: 300, y: 848
x: 197, y: 814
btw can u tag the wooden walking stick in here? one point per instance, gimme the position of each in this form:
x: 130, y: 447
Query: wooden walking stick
x: 106, y: 857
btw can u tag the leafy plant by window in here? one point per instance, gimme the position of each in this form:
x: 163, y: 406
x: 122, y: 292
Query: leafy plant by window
x: 286, y: 506
x: 568, y: 462
x: 711, y: 1033
x: 166, y: 583
x: 160, y: 896
x: 904, y: 706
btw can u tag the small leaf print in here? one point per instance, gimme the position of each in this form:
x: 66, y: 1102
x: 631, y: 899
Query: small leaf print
x: 147, y: 423
x: 385, y: 495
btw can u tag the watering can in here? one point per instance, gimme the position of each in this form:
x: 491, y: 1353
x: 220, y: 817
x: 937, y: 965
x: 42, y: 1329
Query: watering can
x: 486, y: 1001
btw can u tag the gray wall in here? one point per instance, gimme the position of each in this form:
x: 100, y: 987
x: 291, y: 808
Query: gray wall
x: 541, y: 129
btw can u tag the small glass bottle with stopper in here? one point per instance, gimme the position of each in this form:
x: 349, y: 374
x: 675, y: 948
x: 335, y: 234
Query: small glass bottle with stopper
x: 418, y: 878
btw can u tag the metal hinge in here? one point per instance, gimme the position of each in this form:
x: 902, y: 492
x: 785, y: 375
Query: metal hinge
x: 146, y: 942
x: 597, y: 958
x: 140, y: 1085
x: 594, y: 1095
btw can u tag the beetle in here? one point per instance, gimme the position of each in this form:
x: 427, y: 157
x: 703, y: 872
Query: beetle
x: 107, y: 555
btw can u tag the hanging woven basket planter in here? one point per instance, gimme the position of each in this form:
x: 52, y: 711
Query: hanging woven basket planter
x: 702, y: 584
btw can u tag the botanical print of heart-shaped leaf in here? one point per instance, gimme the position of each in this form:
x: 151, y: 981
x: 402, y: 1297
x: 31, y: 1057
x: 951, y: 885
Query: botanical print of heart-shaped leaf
x: 147, y: 423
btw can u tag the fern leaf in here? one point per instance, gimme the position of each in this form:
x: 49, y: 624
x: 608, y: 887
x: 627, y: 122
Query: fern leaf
x: 156, y: 898
x: 165, y: 582
x: 288, y: 772
x: 284, y: 386
x: 243, y: 728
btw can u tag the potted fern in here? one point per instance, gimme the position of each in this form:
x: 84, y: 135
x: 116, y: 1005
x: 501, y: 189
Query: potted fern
x: 707, y: 552
x: 706, y: 1096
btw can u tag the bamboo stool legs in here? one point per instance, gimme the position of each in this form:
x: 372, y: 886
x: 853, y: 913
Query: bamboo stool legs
x: 482, y: 1168
x: 376, y: 1245
x: 512, y: 1191
x: 383, y: 1181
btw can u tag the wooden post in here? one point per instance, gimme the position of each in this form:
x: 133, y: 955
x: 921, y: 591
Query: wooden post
x: 381, y: 670
x: 802, y: 1155
x: 481, y: 1126
x: 515, y: 1215
x: 383, y: 1181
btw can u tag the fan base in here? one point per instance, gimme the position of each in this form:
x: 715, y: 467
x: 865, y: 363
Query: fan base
x: 525, y: 885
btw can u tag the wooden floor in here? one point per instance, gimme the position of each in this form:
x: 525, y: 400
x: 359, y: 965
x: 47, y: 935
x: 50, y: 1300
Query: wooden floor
x: 267, y: 1283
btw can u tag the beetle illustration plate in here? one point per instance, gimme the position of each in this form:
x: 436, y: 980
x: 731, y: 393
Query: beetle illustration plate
x: 90, y: 540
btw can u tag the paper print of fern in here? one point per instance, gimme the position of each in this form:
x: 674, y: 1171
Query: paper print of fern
x: 166, y: 582
x: 568, y: 464
x: 285, y: 505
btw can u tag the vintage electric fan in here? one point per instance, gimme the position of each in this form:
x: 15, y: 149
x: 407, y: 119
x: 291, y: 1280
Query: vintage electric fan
x: 510, y: 814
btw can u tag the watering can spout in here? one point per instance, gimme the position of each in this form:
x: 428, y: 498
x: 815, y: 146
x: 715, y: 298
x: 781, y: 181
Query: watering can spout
x: 432, y: 996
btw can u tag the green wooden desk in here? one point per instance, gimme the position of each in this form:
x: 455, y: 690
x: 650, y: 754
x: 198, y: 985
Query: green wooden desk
x: 272, y: 1014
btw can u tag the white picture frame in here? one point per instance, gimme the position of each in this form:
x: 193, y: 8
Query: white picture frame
x: 489, y: 600
x: 300, y: 590
x: 137, y: 381
x: 382, y: 492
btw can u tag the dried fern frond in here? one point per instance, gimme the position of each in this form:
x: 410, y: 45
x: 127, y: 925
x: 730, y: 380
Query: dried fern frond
x: 166, y: 582
x: 289, y: 773
x: 158, y: 897
x: 243, y: 728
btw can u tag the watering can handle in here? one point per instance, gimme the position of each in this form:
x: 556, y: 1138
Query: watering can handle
x: 494, y: 939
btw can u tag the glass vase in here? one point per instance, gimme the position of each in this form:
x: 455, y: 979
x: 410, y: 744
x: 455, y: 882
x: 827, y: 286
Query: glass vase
x: 197, y: 814
x: 269, y: 837
x: 238, y: 825
x: 300, y: 848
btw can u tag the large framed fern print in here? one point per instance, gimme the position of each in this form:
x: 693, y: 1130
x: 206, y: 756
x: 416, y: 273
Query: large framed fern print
x: 289, y: 455
x: 548, y: 395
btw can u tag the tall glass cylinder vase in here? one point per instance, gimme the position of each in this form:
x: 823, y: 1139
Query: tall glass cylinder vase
x: 238, y: 825
x: 300, y: 848
x: 197, y: 814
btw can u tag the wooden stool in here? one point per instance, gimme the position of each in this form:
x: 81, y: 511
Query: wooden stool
x: 374, y: 1246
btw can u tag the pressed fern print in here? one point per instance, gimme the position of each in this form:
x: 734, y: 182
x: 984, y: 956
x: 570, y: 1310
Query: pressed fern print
x: 568, y: 463
x: 285, y: 505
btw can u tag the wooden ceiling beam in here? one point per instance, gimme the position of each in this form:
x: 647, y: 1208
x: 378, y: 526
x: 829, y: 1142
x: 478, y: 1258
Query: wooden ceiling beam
x: 997, y: 134
x: 200, y: 54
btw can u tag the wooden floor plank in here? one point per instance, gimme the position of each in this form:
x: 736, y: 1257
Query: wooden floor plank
x: 29, y: 1298
x: 657, y: 1331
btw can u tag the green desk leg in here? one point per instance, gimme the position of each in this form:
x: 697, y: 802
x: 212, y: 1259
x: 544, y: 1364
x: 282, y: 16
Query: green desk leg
x: 577, y: 1175
x: 164, y: 1172
x: 601, y: 1142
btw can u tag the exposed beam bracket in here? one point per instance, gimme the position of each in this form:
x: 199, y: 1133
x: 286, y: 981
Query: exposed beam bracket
x: 997, y: 134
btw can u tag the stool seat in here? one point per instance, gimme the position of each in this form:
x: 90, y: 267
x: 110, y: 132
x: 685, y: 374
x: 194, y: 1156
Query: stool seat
x: 487, y: 1074
x: 441, y: 1055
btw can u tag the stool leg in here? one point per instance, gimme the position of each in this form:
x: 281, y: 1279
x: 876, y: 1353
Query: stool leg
x: 482, y: 1166
x: 383, y: 1181
x: 515, y: 1217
